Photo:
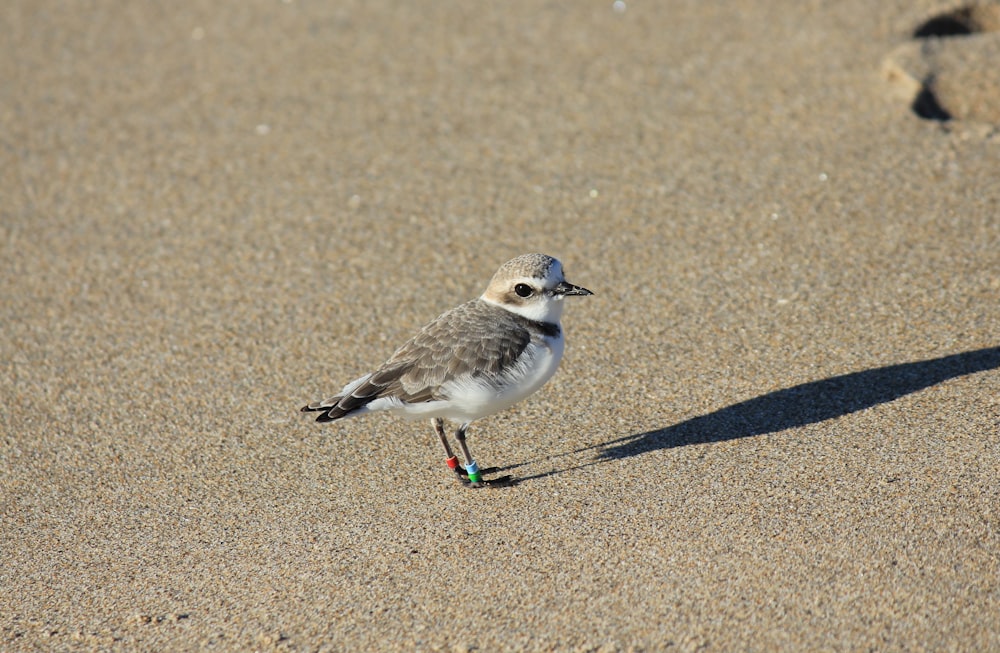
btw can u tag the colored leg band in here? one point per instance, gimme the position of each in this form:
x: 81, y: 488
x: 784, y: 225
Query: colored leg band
x: 472, y: 469
x: 453, y: 462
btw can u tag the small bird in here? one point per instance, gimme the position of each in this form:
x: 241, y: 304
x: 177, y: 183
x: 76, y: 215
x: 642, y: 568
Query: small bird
x: 477, y: 359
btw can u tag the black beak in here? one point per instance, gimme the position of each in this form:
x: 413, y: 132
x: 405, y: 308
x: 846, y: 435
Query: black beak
x: 565, y: 288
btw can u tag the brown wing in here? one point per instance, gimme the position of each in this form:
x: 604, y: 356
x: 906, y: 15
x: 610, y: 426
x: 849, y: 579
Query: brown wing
x: 474, y: 340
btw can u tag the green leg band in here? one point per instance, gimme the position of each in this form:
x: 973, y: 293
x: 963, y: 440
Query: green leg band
x: 472, y: 469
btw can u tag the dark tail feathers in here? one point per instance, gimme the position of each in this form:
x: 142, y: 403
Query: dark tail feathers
x: 328, y: 412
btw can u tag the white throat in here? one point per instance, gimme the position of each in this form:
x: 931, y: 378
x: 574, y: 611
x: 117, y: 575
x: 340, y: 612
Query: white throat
x: 543, y: 309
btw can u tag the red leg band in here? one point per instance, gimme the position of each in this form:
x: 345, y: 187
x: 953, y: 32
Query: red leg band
x: 453, y: 462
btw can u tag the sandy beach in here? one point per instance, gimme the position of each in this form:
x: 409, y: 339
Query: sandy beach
x: 777, y: 422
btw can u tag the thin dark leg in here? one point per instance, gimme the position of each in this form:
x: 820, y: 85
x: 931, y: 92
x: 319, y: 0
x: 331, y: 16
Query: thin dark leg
x: 452, y: 458
x: 471, y: 468
x: 460, y: 436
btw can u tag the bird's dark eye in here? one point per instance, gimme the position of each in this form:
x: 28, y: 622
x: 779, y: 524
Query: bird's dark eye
x: 523, y: 290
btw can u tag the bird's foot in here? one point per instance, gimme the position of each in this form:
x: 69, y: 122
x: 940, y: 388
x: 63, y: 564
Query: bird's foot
x: 499, y: 481
x: 480, y: 482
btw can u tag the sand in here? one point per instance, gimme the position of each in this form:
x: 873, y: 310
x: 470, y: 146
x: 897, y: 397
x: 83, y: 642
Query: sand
x: 777, y: 423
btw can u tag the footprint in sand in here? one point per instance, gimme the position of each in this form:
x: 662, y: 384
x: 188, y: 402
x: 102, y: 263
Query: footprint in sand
x: 951, y: 68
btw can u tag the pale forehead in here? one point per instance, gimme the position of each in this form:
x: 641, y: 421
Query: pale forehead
x: 535, y: 266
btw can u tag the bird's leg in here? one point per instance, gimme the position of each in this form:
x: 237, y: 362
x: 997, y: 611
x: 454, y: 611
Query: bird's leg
x: 471, y: 468
x: 452, y: 458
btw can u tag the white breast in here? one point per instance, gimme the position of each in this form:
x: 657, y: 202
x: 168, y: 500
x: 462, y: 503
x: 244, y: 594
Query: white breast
x: 470, y: 399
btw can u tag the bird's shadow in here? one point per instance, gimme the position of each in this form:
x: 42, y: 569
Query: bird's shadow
x: 800, y: 405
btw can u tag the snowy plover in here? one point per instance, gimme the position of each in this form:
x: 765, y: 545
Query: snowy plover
x: 476, y: 359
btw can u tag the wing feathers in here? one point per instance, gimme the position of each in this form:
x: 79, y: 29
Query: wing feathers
x: 489, y: 340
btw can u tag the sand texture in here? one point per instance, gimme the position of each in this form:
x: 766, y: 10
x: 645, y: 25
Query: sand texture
x: 777, y: 423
